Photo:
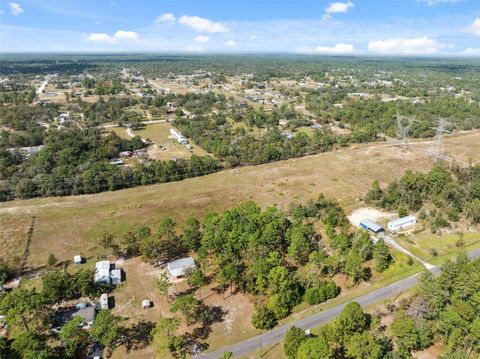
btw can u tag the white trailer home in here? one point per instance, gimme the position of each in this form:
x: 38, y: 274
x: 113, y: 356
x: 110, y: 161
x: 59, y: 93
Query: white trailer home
x: 178, y: 136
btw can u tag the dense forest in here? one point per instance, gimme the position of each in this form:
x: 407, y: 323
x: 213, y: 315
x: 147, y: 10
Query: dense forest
x: 78, y: 161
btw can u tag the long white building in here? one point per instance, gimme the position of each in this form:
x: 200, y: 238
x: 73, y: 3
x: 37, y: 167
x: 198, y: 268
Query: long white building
x: 401, y: 223
x: 178, y: 136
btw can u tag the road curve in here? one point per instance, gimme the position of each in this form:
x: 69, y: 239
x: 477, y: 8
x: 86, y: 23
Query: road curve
x: 276, y: 335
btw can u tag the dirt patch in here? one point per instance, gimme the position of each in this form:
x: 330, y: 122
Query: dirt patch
x: 372, y: 214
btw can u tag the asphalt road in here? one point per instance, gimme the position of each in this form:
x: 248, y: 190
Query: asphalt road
x: 276, y: 335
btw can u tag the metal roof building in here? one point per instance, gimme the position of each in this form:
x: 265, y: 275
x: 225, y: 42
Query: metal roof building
x: 371, y: 226
x: 102, y: 272
x: 177, y: 268
x: 400, y: 223
x: 116, y: 276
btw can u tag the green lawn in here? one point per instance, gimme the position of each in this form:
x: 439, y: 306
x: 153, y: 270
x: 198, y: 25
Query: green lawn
x: 445, y: 245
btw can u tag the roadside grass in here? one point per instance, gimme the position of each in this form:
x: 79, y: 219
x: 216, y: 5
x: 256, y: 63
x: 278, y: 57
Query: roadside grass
x: 435, y: 248
x: 120, y: 131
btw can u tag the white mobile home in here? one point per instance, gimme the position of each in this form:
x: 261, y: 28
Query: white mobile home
x: 102, y: 272
x: 401, y: 223
x: 178, y: 136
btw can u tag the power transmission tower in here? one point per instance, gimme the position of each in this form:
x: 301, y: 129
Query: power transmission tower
x: 437, y: 151
x: 404, y: 124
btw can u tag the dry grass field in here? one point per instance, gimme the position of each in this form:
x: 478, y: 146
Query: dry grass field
x: 68, y: 225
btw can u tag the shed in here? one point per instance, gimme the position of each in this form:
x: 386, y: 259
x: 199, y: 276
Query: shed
x: 116, y: 276
x: 102, y: 272
x: 104, y: 301
x: 400, y: 223
x: 146, y: 303
x: 177, y: 268
x: 371, y: 226
x: 77, y: 259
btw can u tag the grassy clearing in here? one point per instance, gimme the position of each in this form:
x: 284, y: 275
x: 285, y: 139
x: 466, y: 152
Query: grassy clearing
x: 445, y: 245
x: 13, y: 237
x: 158, y: 133
x: 68, y: 225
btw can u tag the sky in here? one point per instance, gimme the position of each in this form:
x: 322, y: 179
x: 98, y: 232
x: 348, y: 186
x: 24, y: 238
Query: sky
x: 345, y: 27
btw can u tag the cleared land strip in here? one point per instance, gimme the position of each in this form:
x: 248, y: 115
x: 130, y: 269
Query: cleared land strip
x: 276, y: 335
x: 345, y: 174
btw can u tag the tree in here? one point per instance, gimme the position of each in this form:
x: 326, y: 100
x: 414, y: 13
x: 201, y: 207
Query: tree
x: 354, y: 267
x: 164, y: 284
x: 382, y: 256
x: 374, y: 194
x: 315, y: 348
x: 197, y: 279
x: 404, y: 332
x: 366, y: 345
x: 105, y: 328
x: 74, y: 338
x: 188, y: 305
x: 109, y: 241
x: 191, y: 234
x: 263, y: 318
x: 31, y: 345
x: 51, y: 260
x: 163, y: 333
x: 227, y: 355
x: 351, y: 320
x: 25, y: 308
x: 300, y: 238
x: 4, y: 272
x: 227, y: 276
x: 293, y: 338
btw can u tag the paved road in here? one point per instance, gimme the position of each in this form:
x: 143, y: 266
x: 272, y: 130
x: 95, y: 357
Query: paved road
x: 143, y: 123
x: 276, y: 335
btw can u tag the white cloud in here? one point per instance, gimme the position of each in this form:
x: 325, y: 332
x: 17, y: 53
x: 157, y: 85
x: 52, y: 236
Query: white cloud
x: 126, y: 35
x: 403, y: 46
x: 167, y: 18
x: 231, y: 43
x: 337, y: 7
x: 471, y: 52
x: 201, y: 24
x: 202, y: 39
x: 435, y: 2
x: 338, y: 49
x: 15, y: 8
x: 102, y: 38
x: 2, y: 11
x: 474, y: 29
